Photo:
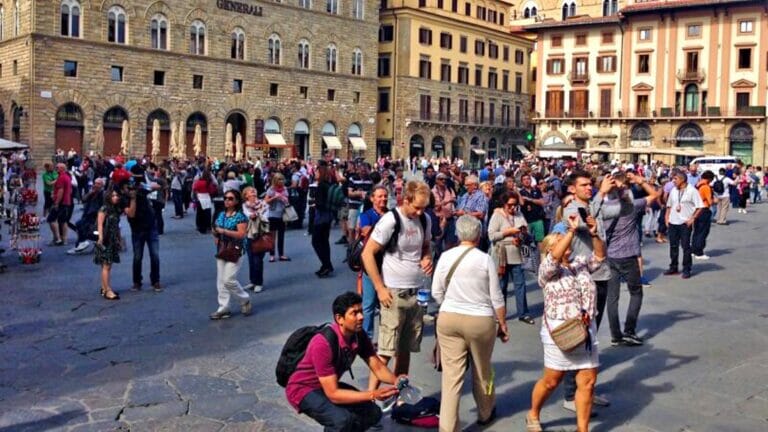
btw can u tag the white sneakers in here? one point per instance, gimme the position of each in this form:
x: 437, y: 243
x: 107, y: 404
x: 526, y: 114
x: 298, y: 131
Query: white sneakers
x: 255, y: 288
x: 81, y: 247
x: 702, y: 257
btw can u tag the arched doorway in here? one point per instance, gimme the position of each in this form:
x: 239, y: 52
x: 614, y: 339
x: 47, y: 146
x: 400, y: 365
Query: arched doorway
x: 416, y: 146
x: 195, y: 119
x: 272, y: 126
x: 69, y: 128
x: 113, y: 130
x: 691, y: 100
x: 2, y: 122
x: 239, y: 125
x: 331, y: 142
x: 438, y: 147
x: 16, y: 112
x: 165, y: 131
x: 741, y: 138
x: 301, y: 138
x: 604, y: 157
x: 492, y: 148
x: 357, y: 145
x: 457, y: 148
x: 690, y: 136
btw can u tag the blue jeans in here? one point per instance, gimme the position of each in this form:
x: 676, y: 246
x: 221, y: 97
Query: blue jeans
x: 340, y: 418
x: 255, y: 266
x: 152, y: 240
x: 178, y: 202
x: 370, y: 301
x: 514, y: 273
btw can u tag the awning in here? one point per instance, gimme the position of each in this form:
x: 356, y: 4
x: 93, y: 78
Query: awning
x: 332, y: 142
x: 478, y: 151
x: 7, y: 145
x: 275, y: 139
x: 358, y: 144
x: 557, y: 153
x: 524, y: 150
x: 679, y: 151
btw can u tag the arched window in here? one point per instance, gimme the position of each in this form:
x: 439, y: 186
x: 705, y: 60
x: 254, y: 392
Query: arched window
x: 70, y: 18
x: 197, y: 37
x: 306, y: 4
x: 2, y: 20
x: 331, y: 58
x: 329, y: 129
x: 534, y: 12
x: 158, y: 29
x: 303, y: 54
x: 354, y: 130
x: 272, y: 126
x: 357, y: 62
x: 273, y: 50
x: 332, y: 6
x: 526, y: 13
x: 691, y: 99
x: 565, y: 11
x: 238, y: 44
x: 573, y: 9
x: 116, y: 25
x: 610, y: 7
x: 358, y: 9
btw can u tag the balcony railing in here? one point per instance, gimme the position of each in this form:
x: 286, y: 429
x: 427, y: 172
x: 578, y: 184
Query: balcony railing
x: 578, y: 77
x: 703, y: 112
x: 691, y: 75
x: 555, y: 113
x: 456, y: 119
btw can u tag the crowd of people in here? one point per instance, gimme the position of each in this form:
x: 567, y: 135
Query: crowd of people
x: 465, y: 234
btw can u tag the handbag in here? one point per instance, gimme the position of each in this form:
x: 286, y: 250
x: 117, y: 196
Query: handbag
x: 436, y: 350
x: 229, y: 250
x: 568, y: 335
x: 500, y: 253
x: 289, y: 214
x: 263, y: 243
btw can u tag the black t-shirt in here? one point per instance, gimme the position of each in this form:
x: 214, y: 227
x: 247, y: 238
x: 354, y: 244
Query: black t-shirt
x: 531, y: 211
x: 145, y: 214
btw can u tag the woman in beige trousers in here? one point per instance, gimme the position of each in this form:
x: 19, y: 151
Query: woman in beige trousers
x: 466, y: 286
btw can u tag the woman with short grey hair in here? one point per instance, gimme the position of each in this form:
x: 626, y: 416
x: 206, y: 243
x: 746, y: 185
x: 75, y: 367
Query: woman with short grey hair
x: 466, y: 286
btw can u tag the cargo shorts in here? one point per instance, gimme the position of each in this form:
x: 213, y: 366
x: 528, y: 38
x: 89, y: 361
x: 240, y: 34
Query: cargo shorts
x: 401, y: 326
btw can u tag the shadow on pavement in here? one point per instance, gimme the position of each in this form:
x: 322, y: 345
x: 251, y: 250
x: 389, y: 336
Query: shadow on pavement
x: 47, y: 423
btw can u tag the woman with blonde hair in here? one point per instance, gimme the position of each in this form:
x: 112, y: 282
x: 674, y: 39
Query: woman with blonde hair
x: 254, y: 209
x: 277, y: 199
x: 569, y: 292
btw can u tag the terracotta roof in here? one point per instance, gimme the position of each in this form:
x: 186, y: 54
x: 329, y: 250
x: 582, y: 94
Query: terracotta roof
x: 572, y: 22
x: 654, y: 5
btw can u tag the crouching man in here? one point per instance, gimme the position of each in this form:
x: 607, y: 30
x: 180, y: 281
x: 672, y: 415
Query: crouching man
x: 314, y: 388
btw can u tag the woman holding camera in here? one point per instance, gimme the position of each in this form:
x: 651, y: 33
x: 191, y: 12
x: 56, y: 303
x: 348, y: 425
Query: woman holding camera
x: 107, y: 251
x: 229, y: 232
x: 504, y: 230
x: 569, y: 292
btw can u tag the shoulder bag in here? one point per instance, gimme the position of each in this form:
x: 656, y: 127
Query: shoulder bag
x: 436, y: 350
x: 260, y: 239
x: 289, y: 214
x: 570, y: 334
x: 228, y: 249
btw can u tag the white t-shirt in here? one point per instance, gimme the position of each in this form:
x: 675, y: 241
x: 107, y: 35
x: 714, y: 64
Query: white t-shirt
x: 402, y: 269
x: 474, y: 287
x: 727, y: 182
x: 683, y: 204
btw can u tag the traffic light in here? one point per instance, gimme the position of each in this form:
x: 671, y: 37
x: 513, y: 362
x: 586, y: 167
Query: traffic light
x: 529, y: 137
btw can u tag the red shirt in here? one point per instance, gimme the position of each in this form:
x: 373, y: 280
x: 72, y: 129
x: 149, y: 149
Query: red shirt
x: 318, y: 362
x: 120, y: 175
x: 63, y: 183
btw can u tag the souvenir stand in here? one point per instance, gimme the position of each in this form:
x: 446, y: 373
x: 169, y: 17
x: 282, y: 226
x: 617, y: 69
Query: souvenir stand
x: 25, y: 224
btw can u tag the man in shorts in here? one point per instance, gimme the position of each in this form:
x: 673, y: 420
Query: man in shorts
x: 402, y: 272
x: 532, y: 206
x: 61, y: 210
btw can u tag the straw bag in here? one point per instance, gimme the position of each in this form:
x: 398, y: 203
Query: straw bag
x: 568, y: 335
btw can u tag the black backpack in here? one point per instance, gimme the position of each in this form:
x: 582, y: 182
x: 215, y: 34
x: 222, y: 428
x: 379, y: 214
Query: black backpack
x: 296, y: 346
x: 354, y: 257
x: 718, y: 186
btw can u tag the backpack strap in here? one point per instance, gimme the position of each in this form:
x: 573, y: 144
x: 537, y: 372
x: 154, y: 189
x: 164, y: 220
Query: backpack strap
x: 333, y: 340
x: 392, y: 243
x: 453, y: 267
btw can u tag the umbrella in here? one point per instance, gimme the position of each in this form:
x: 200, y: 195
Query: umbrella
x: 228, y: 141
x: 6, y: 145
x: 182, y: 140
x: 125, y: 136
x: 197, y: 141
x: 173, y: 148
x: 98, y: 139
x: 239, y: 146
x: 155, y: 138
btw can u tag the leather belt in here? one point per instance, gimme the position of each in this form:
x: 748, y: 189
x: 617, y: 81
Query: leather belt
x: 405, y: 293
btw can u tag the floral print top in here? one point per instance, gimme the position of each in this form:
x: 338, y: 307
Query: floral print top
x: 568, y: 289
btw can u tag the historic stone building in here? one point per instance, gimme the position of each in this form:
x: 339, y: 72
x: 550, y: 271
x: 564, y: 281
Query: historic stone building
x: 296, y: 77
x: 453, y: 80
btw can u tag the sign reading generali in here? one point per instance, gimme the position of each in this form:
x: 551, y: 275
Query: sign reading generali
x: 235, y: 6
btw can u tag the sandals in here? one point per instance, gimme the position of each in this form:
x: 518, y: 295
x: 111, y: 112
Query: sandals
x: 532, y: 425
x: 114, y: 296
x: 284, y: 258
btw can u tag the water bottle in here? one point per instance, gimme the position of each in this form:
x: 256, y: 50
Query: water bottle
x: 408, y: 393
x: 422, y: 296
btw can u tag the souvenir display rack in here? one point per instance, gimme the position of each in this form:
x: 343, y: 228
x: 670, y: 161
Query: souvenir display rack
x: 25, y: 225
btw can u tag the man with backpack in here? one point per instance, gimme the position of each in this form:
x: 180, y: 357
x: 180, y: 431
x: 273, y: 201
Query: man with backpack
x: 313, y: 386
x: 403, y: 237
x: 721, y: 190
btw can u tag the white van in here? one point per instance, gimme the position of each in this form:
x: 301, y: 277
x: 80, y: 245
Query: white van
x: 714, y: 163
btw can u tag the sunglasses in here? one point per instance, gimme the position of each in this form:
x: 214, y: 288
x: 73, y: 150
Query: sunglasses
x: 230, y: 198
x: 511, y: 204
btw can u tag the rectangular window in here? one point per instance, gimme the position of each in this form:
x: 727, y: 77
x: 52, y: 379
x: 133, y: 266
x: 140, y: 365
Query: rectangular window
x: 237, y: 86
x: 440, y: 4
x: 492, y: 79
x: 518, y: 83
x: 491, y: 113
x: 746, y: 26
x: 117, y: 73
x: 454, y: 6
x: 463, y: 74
x: 479, y: 112
x: 425, y: 36
x: 642, y: 106
x: 331, y: 95
x: 644, y: 63
x: 742, y: 102
x: 505, y: 81
x: 557, y: 41
x: 745, y: 58
x: 356, y: 97
x: 445, y: 71
x: 273, y: 89
x: 581, y: 39
x: 605, y: 102
x: 505, y: 53
x: 425, y: 68
x: 606, y: 64
x: 446, y: 40
x: 644, y: 34
x: 444, y: 109
x: 386, y: 33
x: 425, y: 107
x: 555, y: 66
x: 303, y: 92
x: 463, y: 44
x: 159, y: 78
x: 554, y: 103
x: 422, y: 3
x: 607, y: 37
x: 692, y: 61
x: 580, y: 67
x: 16, y: 68
x: 519, y: 57
x: 384, y: 100
x: 493, y: 50
x: 518, y: 117
x: 463, y: 111
x: 197, y: 82
x: 478, y: 76
x: 694, y: 30
x: 384, y: 63
x: 479, y: 47
x: 467, y: 9
x: 579, y: 103
x: 70, y: 68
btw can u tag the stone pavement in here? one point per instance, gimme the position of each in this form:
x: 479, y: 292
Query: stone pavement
x: 72, y: 361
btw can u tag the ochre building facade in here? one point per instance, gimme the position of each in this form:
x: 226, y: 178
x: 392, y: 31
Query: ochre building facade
x: 292, y: 78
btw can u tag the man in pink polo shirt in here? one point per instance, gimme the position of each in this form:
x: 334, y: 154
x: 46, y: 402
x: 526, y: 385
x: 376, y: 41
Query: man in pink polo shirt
x: 314, y: 388
x: 62, y: 208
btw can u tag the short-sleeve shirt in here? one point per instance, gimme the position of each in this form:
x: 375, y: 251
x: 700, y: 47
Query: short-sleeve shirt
x: 49, y: 177
x: 532, y: 212
x: 369, y: 217
x: 318, y: 362
x: 683, y: 204
x: 624, y: 241
x: 230, y: 222
x: 64, y: 183
x: 401, y: 269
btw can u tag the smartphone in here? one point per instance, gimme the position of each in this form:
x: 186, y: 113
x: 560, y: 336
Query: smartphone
x: 583, y: 213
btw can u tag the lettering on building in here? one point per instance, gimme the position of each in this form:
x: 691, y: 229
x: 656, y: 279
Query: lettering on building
x: 239, y: 7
